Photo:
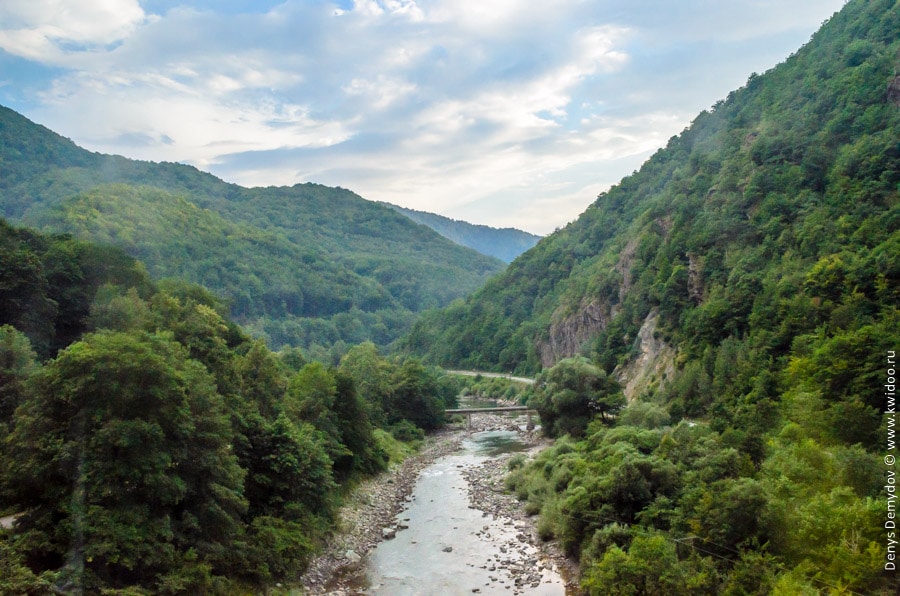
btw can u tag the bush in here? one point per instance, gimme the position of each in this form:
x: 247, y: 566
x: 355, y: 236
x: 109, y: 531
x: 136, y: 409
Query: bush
x: 406, y: 431
x: 517, y: 461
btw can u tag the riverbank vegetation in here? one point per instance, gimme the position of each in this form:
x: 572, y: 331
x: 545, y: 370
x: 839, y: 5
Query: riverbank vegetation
x: 152, y: 446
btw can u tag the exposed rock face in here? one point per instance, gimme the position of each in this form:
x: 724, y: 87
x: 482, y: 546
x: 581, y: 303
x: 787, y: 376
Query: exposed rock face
x: 655, y: 365
x: 623, y: 267
x: 568, y: 334
x: 570, y: 331
x: 894, y: 91
x: 695, y: 284
x: 663, y: 225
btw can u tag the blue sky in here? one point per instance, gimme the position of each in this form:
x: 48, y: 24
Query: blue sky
x: 501, y: 112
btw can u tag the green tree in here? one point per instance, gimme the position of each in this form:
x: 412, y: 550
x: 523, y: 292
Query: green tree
x: 356, y: 429
x: 263, y: 378
x: 727, y: 514
x: 17, y: 363
x: 25, y: 300
x: 288, y: 471
x: 111, y: 309
x: 328, y: 400
x: 123, y: 465
x: 414, y: 396
x: 371, y: 374
x: 310, y: 398
x: 571, y: 393
x: 650, y: 567
x: 16, y: 577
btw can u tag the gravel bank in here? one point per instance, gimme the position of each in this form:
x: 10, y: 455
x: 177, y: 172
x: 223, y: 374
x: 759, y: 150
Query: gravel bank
x: 372, y: 509
x: 487, y: 493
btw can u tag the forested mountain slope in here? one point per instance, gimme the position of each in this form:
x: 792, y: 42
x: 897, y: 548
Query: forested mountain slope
x: 303, y: 265
x: 505, y: 243
x: 730, y: 218
x: 742, y: 288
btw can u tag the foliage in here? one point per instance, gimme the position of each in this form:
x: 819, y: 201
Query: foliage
x: 328, y: 400
x: 16, y: 577
x: 572, y: 393
x: 47, y: 283
x: 17, y: 363
x: 416, y: 397
x: 125, y: 438
x: 763, y: 239
x: 494, y: 388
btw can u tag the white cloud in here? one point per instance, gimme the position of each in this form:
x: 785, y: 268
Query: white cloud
x: 406, y: 8
x: 45, y: 30
x: 507, y: 111
x: 380, y: 92
x: 500, y: 18
x: 198, y: 127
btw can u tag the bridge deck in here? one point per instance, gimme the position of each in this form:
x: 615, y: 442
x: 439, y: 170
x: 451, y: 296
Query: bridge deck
x: 486, y: 410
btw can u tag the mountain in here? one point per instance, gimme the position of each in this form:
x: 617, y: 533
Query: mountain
x: 799, y: 164
x: 505, y: 243
x: 741, y: 290
x: 306, y: 265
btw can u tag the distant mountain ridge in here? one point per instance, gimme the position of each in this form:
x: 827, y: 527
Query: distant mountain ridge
x: 306, y: 265
x: 503, y: 243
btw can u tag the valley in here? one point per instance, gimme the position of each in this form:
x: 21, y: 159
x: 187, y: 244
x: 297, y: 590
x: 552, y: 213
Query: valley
x: 207, y: 388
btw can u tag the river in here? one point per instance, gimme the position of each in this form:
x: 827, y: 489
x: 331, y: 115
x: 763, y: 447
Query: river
x: 446, y: 544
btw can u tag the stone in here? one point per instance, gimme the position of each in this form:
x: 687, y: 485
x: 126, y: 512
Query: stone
x: 388, y: 533
x: 353, y: 557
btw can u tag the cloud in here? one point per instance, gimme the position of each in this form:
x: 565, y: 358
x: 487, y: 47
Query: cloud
x: 504, y: 110
x: 47, y: 30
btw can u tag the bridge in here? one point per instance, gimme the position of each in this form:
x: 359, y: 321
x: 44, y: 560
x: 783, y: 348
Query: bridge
x: 469, y: 411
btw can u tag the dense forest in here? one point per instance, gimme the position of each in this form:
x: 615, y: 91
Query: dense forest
x: 309, y: 265
x: 151, y: 446
x: 715, y: 334
x: 505, y: 244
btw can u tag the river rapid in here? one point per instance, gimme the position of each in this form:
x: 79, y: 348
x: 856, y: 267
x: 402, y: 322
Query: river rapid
x: 451, y: 528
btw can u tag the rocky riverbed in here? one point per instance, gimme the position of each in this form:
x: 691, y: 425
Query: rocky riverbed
x: 370, y: 516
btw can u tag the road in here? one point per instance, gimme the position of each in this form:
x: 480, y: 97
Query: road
x: 493, y: 375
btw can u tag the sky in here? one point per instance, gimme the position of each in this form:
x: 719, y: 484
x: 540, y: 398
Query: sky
x: 510, y: 113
